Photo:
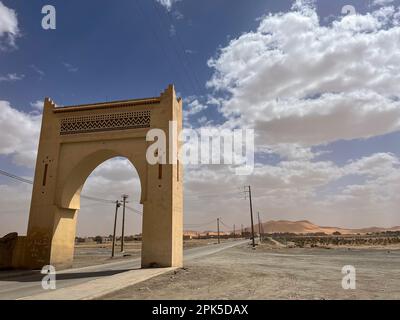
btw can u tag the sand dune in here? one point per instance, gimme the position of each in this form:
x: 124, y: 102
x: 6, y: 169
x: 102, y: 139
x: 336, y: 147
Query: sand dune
x: 305, y: 226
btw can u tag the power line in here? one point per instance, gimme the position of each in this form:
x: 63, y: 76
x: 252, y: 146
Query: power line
x: 212, y: 195
x: 231, y: 191
x: 179, y: 57
x: 200, y: 224
x: 197, y: 82
x: 15, y: 177
x: 135, y: 210
x: 212, y: 222
x: 10, y: 175
x: 91, y: 198
x: 224, y: 224
x: 160, y: 43
x: 97, y: 199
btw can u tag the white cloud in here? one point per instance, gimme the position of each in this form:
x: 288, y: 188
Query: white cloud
x: 382, y: 2
x: 374, y: 166
x: 202, y: 120
x: 291, y: 190
x: 38, y: 71
x: 109, y: 181
x: 194, y: 106
x: 8, y: 26
x: 167, y: 4
x: 37, y: 105
x: 177, y: 15
x: 301, y: 84
x: 70, y: 67
x: 15, y: 200
x: 296, y: 81
x: 11, y: 77
x: 330, y: 117
x: 374, y: 202
x: 290, y: 151
x: 19, y: 133
x: 172, y: 31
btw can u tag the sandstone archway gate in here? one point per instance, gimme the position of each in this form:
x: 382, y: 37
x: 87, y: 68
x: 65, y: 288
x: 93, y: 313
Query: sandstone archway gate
x: 73, y: 142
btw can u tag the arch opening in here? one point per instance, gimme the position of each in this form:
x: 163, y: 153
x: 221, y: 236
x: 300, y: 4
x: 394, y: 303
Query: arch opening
x: 69, y: 196
x: 107, y: 183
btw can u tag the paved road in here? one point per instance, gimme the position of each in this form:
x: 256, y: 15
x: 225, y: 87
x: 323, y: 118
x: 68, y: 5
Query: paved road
x: 19, y: 286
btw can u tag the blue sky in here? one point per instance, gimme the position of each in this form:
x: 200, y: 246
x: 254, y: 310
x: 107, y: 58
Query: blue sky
x: 104, y: 50
x: 120, y: 50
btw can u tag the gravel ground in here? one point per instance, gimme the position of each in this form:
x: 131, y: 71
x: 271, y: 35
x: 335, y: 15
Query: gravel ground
x: 96, y: 254
x: 276, y: 273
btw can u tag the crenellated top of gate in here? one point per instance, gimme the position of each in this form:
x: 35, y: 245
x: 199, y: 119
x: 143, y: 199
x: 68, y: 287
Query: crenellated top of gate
x: 119, y: 115
x: 108, y: 105
x: 111, y: 104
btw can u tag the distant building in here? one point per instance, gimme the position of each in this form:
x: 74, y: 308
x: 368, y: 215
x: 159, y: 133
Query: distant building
x: 82, y: 240
x: 189, y: 235
x: 213, y: 234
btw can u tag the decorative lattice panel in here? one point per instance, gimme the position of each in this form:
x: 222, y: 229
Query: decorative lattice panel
x: 105, y: 122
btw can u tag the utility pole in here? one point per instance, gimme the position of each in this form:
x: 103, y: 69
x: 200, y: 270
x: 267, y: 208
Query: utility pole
x: 117, y: 205
x: 262, y: 228
x: 248, y: 191
x: 218, y: 230
x: 124, y: 197
x: 259, y: 225
x: 234, y: 232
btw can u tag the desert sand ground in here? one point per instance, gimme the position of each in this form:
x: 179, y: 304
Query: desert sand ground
x: 95, y: 254
x: 272, y: 272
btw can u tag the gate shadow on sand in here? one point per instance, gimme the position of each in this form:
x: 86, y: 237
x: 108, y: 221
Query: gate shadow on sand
x: 36, y: 276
